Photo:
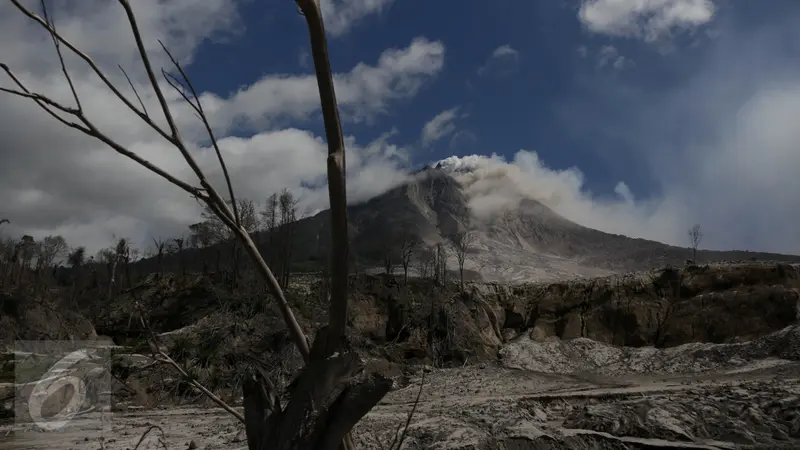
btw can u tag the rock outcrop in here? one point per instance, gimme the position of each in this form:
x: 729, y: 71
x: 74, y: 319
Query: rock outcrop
x: 719, y: 303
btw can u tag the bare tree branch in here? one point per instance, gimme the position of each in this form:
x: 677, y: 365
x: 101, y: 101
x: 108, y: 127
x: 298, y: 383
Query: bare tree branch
x: 38, y: 98
x: 41, y: 101
x: 93, y: 66
x: 333, y: 392
x: 133, y: 88
x: 162, y: 440
x: 173, y: 127
x: 398, y: 442
x: 199, y: 109
x: 160, y: 356
x: 206, y: 193
x: 57, y: 46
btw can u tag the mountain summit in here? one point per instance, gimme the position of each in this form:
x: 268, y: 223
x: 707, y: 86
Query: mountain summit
x: 512, y: 242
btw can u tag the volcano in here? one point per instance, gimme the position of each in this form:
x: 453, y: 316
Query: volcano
x: 524, y: 242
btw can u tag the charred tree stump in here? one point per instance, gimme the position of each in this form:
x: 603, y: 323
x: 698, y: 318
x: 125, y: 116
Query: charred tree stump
x: 326, y: 400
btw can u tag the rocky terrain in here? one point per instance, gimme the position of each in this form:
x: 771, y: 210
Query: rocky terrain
x: 559, y: 395
x: 698, y: 357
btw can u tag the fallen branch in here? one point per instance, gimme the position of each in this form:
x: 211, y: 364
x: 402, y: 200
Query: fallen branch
x: 161, y: 440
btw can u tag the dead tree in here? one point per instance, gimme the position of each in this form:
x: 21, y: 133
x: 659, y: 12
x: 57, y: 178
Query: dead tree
x: 51, y: 248
x: 287, y: 222
x: 76, y: 258
x: 161, y: 249
x: 332, y: 393
x: 180, y: 242
x: 440, y: 269
x: 248, y: 218
x: 665, y: 291
x: 461, y: 243
x: 408, y: 245
x: 695, y: 236
x: 426, y: 263
x: 121, y: 253
x: 389, y: 257
x: 24, y: 251
x: 269, y: 222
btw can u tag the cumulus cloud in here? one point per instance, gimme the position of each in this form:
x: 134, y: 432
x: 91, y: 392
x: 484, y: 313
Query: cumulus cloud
x: 341, y: 15
x: 609, y: 56
x: 503, y: 61
x: 441, y: 126
x: 57, y: 181
x: 650, y: 19
x: 362, y: 92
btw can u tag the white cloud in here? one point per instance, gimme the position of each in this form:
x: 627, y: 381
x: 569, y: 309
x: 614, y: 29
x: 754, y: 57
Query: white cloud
x: 648, y: 19
x: 609, y: 56
x: 718, y: 142
x: 181, y: 25
x: 505, y: 51
x: 361, y: 93
x: 304, y: 59
x: 57, y: 181
x: 441, y: 126
x: 494, y: 185
x: 463, y: 141
x: 341, y: 16
x: 740, y: 185
x: 502, y: 61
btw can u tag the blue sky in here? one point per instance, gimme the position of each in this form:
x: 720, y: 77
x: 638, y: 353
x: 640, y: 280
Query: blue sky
x: 518, y: 101
x: 513, y: 104
x: 638, y: 118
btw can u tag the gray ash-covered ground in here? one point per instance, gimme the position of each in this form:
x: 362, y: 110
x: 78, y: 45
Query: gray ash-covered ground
x: 544, y: 395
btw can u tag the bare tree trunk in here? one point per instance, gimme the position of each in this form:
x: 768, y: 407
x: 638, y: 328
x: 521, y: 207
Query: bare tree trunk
x: 112, y: 278
x: 289, y: 254
x: 327, y: 399
x: 337, y: 317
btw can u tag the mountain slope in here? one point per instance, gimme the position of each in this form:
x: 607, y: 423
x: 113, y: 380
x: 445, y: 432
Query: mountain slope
x: 529, y: 243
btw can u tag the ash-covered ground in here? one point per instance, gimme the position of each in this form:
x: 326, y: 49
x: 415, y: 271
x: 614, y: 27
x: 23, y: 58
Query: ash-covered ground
x: 575, y: 394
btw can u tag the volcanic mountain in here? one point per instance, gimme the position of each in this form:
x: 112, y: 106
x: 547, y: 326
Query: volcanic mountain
x: 528, y: 242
